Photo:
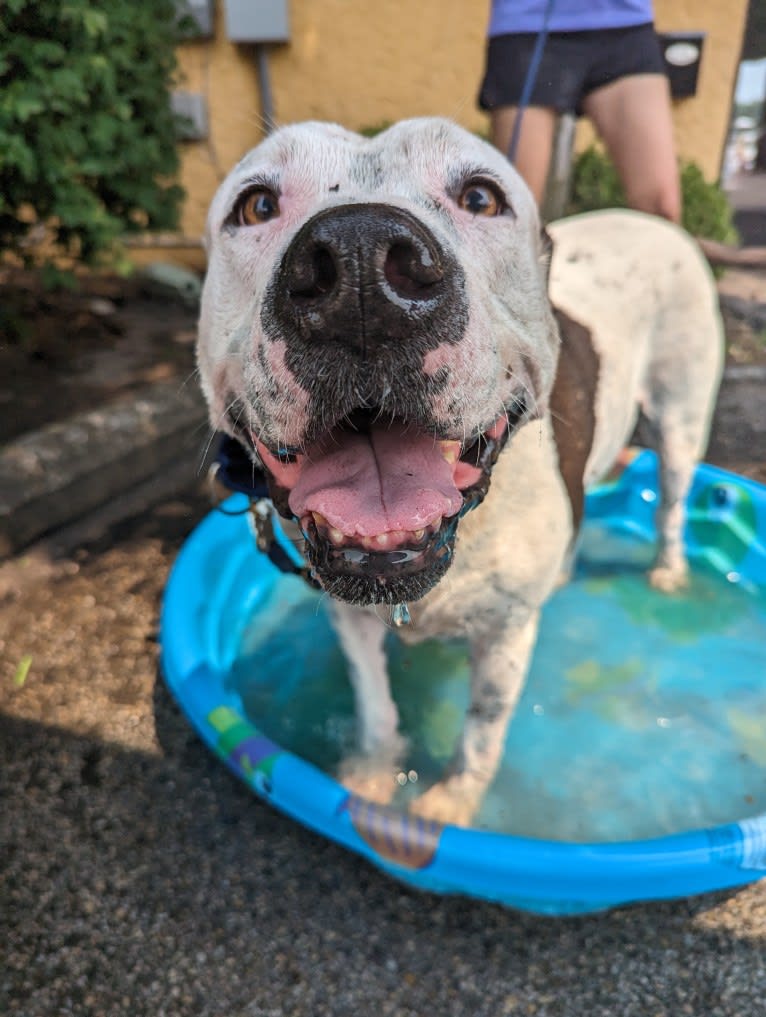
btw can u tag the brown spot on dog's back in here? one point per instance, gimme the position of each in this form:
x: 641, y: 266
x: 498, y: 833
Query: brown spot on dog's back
x: 573, y: 407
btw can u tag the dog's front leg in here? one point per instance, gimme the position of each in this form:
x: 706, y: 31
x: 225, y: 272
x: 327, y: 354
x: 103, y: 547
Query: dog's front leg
x: 372, y: 771
x: 499, y: 668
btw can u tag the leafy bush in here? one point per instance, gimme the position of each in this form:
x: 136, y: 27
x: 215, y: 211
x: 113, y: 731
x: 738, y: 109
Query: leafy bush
x: 371, y: 130
x: 87, y: 136
x: 706, y: 211
x: 595, y: 183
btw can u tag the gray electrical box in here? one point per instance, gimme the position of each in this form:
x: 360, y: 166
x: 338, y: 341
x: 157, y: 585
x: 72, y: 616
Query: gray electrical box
x: 200, y: 18
x: 257, y: 20
x: 191, y: 106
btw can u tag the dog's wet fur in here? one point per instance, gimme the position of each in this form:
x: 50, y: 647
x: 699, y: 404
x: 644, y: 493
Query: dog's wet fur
x: 427, y: 388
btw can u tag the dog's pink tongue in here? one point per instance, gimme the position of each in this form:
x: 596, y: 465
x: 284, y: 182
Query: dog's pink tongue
x: 390, y: 479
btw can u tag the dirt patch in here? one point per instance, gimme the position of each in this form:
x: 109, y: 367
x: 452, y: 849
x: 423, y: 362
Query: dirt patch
x: 745, y: 341
x: 743, y: 305
x: 66, y: 352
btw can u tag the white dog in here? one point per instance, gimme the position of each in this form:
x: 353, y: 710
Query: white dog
x: 384, y: 331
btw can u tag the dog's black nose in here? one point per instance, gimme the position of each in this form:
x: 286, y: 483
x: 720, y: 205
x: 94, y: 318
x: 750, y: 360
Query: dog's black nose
x: 362, y: 274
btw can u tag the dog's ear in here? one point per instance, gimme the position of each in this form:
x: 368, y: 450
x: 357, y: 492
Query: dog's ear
x: 546, y: 253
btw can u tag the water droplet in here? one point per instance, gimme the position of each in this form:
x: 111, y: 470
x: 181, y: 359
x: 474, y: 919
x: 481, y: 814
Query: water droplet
x: 400, y: 615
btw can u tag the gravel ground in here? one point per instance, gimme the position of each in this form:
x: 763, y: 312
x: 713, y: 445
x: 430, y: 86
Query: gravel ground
x: 137, y: 877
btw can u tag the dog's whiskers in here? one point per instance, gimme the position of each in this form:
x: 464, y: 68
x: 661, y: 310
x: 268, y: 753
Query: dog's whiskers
x: 192, y: 376
x: 213, y: 432
x: 206, y: 451
x: 266, y: 124
x: 557, y: 416
x: 323, y: 597
x: 383, y: 613
x: 457, y: 113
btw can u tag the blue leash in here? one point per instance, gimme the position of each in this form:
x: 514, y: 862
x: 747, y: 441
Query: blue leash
x: 529, y: 80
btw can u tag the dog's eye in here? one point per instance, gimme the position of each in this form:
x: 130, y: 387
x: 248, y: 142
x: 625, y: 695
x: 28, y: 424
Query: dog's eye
x: 257, y: 207
x: 480, y: 199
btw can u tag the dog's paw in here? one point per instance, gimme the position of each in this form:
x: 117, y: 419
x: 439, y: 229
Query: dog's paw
x: 669, y: 578
x: 370, y: 777
x: 454, y: 800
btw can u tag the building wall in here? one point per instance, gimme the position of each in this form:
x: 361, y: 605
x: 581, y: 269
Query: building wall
x: 702, y: 123
x: 363, y: 63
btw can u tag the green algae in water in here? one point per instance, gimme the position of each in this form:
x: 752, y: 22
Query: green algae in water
x: 644, y: 714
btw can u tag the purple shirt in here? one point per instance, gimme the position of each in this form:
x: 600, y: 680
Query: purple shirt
x: 567, y: 15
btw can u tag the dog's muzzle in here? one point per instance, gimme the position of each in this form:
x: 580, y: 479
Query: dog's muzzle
x: 361, y: 295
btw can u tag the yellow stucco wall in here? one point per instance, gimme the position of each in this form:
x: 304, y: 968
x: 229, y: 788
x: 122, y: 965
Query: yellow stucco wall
x: 702, y: 123
x: 362, y: 63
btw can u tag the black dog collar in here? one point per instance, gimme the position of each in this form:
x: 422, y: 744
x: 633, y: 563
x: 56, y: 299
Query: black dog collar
x: 234, y: 470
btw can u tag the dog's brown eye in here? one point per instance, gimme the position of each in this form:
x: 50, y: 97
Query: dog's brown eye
x: 480, y: 199
x: 258, y: 207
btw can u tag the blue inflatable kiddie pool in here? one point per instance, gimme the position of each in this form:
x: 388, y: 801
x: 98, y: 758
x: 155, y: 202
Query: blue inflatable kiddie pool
x: 635, y: 765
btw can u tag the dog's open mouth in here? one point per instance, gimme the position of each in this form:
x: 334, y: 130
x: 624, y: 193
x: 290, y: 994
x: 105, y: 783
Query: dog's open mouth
x: 378, y: 501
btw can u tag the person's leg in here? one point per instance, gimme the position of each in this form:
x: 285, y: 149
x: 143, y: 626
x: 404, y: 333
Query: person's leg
x: 633, y: 117
x: 558, y: 83
x: 533, y: 154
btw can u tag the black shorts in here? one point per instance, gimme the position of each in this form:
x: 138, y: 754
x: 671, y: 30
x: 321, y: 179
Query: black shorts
x: 573, y: 65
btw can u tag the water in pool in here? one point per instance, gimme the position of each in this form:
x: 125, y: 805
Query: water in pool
x: 643, y: 714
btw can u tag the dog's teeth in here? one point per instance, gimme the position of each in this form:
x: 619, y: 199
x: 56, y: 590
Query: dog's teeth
x: 319, y: 519
x: 382, y: 541
x: 336, y: 537
x: 450, y: 451
x: 391, y: 540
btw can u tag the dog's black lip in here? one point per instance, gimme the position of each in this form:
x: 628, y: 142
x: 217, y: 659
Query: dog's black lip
x: 352, y: 560
x: 237, y: 429
x: 375, y: 577
x: 483, y: 452
x: 284, y: 453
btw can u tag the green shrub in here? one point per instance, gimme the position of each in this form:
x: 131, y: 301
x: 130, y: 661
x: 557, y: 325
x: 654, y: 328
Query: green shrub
x: 87, y: 136
x: 371, y: 130
x: 706, y: 211
x: 594, y: 184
